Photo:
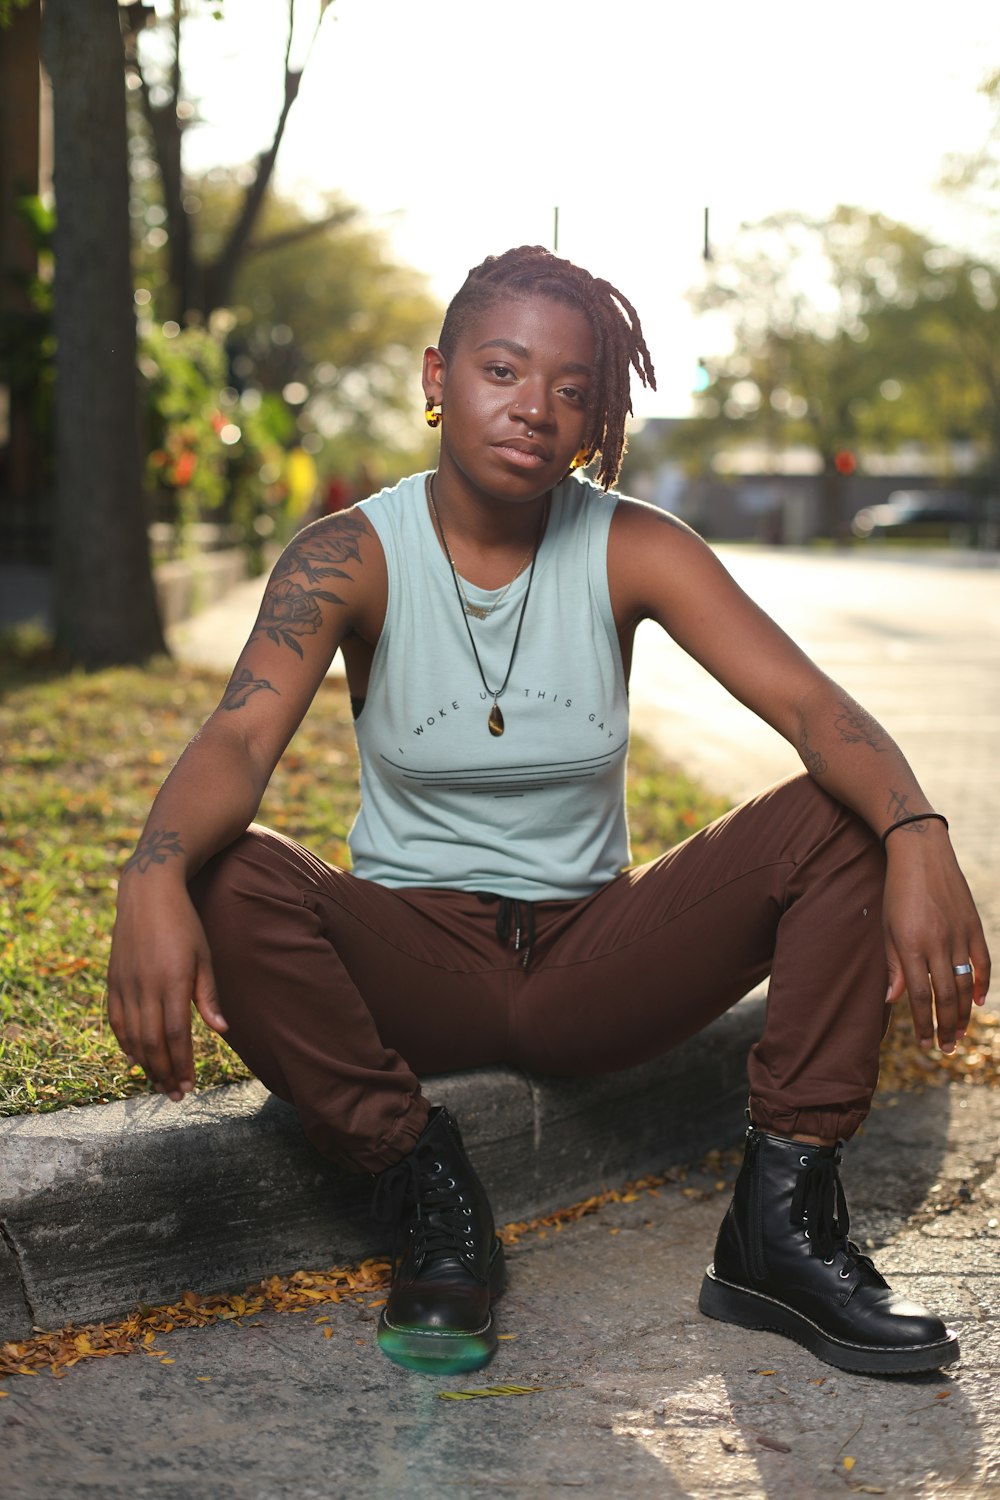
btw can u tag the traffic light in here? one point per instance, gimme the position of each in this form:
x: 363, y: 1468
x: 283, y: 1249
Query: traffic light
x: 844, y: 461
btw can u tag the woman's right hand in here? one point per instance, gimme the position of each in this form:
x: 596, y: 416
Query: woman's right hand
x: 159, y: 963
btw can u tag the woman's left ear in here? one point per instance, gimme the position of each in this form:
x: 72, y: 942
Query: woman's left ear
x: 433, y: 375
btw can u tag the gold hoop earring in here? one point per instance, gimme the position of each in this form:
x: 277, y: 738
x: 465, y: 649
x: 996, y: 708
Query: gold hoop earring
x: 432, y: 414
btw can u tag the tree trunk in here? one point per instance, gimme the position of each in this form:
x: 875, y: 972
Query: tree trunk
x: 105, y: 604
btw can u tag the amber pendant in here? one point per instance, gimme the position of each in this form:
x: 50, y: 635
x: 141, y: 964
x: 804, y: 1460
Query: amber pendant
x: 495, y: 720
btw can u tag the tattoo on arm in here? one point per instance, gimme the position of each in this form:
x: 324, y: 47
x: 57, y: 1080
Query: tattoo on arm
x: 289, y: 610
x: 856, y: 726
x: 242, y: 685
x: 899, y: 807
x: 811, y: 759
x: 154, y: 850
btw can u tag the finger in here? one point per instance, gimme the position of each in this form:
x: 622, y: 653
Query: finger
x: 964, y: 985
x: 206, y: 996
x: 116, y: 1015
x: 946, y: 1005
x: 156, y: 1055
x: 897, y: 979
x: 177, y: 1035
x: 980, y: 957
x: 918, y: 987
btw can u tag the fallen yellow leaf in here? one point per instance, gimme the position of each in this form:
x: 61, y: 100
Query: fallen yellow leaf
x: 849, y: 1464
x: 489, y: 1390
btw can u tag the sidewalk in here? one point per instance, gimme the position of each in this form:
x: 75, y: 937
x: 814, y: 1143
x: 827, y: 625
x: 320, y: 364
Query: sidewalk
x: 638, y: 1395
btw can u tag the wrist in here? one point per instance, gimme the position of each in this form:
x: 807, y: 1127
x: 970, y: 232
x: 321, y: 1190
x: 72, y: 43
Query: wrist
x: 914, y: 823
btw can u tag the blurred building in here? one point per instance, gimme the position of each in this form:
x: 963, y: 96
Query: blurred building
x: 756, y: 492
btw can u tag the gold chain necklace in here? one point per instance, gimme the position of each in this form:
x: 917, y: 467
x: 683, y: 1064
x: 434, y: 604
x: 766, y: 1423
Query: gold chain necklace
x: 476, y: 610
x: 495, y: 722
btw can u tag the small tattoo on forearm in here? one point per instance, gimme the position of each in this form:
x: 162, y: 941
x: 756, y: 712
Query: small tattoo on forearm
x: 899, y: 807
x: 811, y: 759
x: 154, y: 850
x: 856, y: 726
x: 242, y: 686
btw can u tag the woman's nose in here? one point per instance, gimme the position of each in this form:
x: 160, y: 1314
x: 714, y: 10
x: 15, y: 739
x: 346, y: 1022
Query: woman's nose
x: 532, y: 410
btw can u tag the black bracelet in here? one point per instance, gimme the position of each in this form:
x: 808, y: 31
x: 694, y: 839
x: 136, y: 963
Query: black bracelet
x: 913, y: 818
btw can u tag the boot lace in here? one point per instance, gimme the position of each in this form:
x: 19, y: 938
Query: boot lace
x: 818, y: 1201
x: 439, y: 1217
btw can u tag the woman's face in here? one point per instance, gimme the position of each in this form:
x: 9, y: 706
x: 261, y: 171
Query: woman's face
x: 523, y: 366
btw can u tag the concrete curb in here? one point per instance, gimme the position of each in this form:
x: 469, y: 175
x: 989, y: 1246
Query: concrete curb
x: 116, y: 1205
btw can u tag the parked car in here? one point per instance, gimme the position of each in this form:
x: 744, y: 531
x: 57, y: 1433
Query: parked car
x: 917, y: 513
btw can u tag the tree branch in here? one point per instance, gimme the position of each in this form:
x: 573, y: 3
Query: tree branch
x: 219, y: 276
x: 333, y: 220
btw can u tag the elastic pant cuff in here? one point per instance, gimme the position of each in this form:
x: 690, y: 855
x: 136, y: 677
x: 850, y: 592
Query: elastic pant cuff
x: 828, y: 1124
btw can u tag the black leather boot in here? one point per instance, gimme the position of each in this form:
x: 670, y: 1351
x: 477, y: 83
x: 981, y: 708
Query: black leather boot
x: 783, y: 1261
x: 448, y: 1265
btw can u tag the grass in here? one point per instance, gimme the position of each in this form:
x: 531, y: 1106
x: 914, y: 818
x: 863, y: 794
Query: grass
x: 83, y: 756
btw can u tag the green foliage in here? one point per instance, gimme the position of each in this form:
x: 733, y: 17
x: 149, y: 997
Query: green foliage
x: 27, y: 342
x: 68, y: 822
x: 855, y: 333
x: 7, y: 9
x: 184, y: 376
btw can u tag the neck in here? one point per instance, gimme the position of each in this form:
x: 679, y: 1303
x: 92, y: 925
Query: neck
x: 489, y: 557
x: 479, y: 521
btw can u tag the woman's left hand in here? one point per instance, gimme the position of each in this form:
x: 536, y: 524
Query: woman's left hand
x: 931, y: 927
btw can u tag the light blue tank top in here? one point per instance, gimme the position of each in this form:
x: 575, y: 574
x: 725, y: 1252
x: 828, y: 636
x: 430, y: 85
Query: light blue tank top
x: 538, y: 813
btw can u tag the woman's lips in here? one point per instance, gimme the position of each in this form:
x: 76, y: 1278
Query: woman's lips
x: 523, y: 458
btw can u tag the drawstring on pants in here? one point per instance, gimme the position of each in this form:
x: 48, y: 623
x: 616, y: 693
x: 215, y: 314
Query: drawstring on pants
x: 517, y: 916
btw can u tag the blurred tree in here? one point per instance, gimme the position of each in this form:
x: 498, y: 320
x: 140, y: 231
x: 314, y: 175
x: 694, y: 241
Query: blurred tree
x: 105, y: 608
x: 846, y: 333
x: 200, y: 283
x: 977, y: 175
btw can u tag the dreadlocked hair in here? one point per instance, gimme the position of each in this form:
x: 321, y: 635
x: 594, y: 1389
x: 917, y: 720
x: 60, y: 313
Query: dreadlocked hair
x: 534, y: 271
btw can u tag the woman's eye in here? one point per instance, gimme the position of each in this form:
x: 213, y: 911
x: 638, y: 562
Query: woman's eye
x: 500, y: 371
x: 573, y: 393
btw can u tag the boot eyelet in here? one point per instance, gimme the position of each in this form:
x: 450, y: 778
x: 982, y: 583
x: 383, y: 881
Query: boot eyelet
x: 471, y: 1244
x: 829, y: 1262
x: 451, y: 1182
x: 805, y: 1233
x: 803, y: 1161
x: 436, y: 1167
x: 467, y: 1212
x: 844, y: 1274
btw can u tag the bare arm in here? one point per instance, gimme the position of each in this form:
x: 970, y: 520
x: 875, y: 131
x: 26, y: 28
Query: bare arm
x: 659, y: 569
x: 328, y: 582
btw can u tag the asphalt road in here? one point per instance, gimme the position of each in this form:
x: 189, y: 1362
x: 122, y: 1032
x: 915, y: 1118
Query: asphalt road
x: 914, y: 637
x: 638, y: 1395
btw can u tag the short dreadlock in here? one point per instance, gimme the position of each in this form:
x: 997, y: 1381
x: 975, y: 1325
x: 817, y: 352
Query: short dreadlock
x: 532, y: 270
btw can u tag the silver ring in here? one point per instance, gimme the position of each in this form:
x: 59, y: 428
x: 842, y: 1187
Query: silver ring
x: 962, y: 969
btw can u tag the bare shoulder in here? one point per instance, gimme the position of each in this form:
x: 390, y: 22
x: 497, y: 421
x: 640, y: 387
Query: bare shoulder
x: 331, y: 573
x: 652, y: 557
x: 323, y: 549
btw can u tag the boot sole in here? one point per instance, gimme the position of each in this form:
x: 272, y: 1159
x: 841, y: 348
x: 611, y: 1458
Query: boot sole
x: 446, y: 1351
x: 736, y: 1304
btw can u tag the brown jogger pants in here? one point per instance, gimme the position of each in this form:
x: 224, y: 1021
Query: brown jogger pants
x: 339, y: 992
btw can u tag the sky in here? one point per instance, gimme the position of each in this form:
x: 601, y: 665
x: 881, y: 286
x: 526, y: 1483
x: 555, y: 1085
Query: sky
x: 460, y: 125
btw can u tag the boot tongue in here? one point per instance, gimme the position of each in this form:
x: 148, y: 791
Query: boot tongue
x: 818, y: 1202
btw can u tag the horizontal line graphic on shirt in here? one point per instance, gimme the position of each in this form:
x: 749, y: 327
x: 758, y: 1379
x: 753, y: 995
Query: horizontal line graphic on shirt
x: 513, y: 788
x: 538, y: 766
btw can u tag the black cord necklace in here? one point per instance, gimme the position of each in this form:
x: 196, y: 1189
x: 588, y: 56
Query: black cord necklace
x: 495, y: 721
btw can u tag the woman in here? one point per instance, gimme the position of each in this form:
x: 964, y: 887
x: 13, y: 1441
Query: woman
x: 486, y: 614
